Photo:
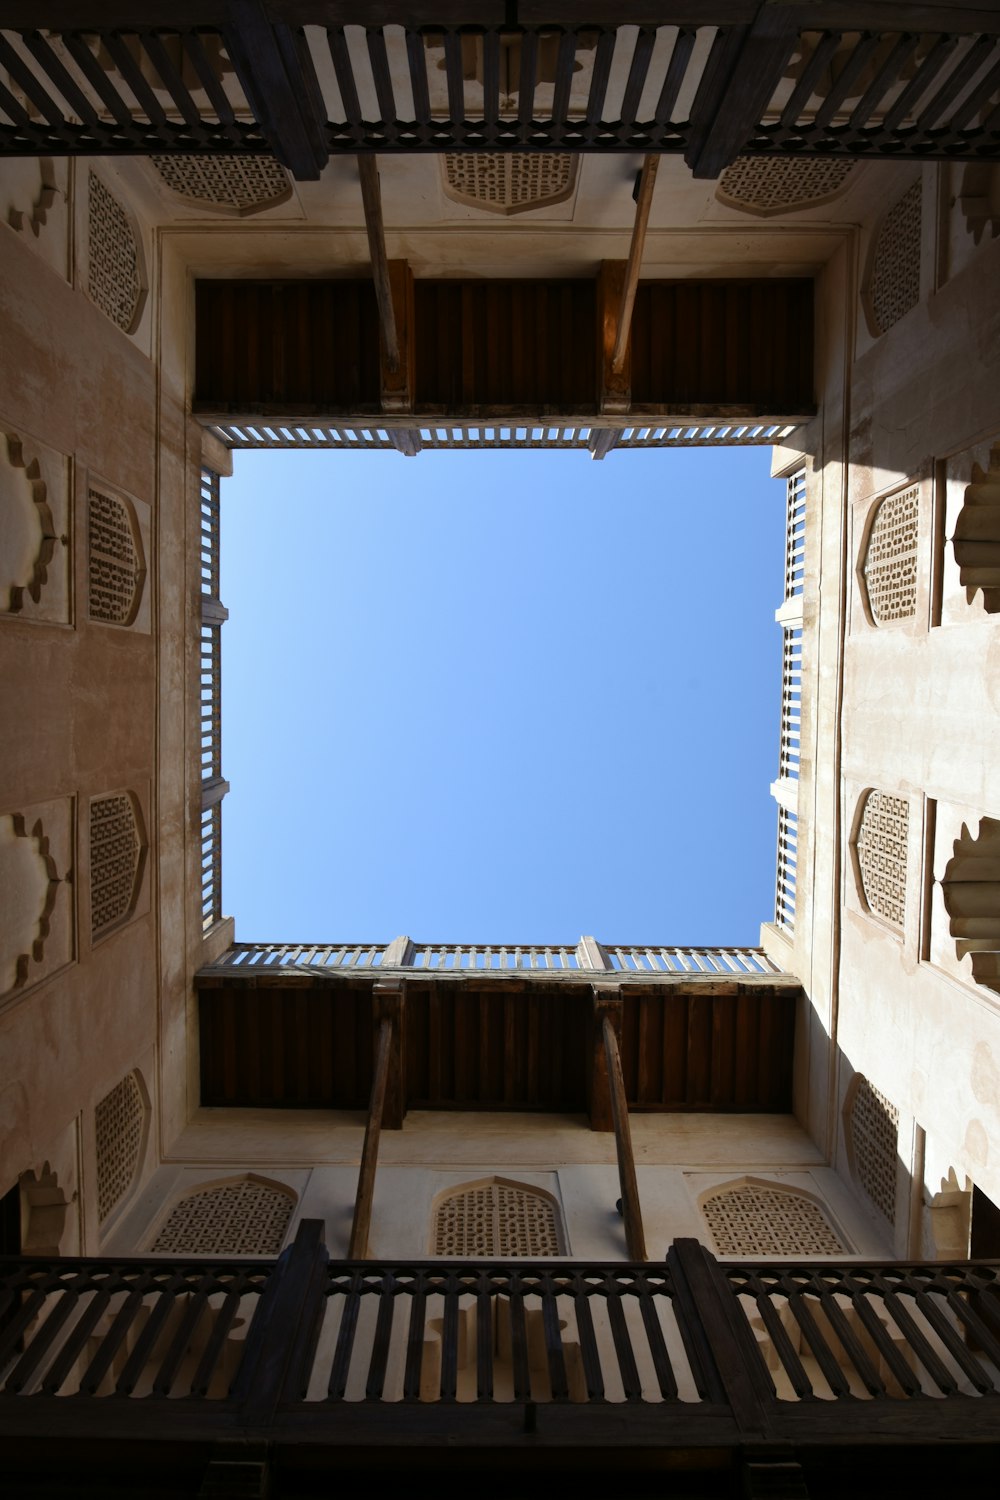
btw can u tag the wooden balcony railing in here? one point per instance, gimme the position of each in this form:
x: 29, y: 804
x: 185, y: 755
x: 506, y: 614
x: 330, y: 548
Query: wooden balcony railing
x: 308, y: 1353
x: 294, y: 79
x: 410, y: 436
x: 587, y: 956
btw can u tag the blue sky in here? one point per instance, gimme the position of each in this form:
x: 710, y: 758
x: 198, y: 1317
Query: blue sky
x: 503, y: 696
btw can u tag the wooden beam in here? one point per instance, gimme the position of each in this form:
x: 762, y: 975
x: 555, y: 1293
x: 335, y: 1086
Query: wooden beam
x: 276, y: 73
x: 730, y: 102
x: 624, y: 325
x: 635, y: 1239
x: 614, y: 387
x: 394, y: 295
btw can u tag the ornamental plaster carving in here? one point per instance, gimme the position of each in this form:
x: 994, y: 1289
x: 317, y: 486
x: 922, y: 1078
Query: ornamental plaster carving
x: 116, y: 271
x: 496, y: 1217
x: 29, y: 889
x: 120, y: 1123
x: 242, y: 185
x: 752, y: 1218
x: 879, y: 854
x: 979, y: 199
x: 892, y: 280
x: 766, y: 186
x: 34, y: 541
x: 872, y: 1129
x: 117, y: 859
x: 116, y: 566
x: 977, y: 534
x: 247, y: 1216
x: 971, y: 890
x: 36, y: 216
x: 504, y: 182
x: 889, y: 557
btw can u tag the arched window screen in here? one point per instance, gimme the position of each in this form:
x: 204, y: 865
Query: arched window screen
x: 753, y: 1218
x: 496, y: 1218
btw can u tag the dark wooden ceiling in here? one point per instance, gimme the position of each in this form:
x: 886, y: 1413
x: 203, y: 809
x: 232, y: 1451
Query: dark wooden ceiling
x: 512, y: 1043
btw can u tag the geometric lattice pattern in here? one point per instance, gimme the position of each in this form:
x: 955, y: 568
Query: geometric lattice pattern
x: 894, y: 282
x: 247, y: 184
x: 874, y: 1132
x: 115, y: 566
x: 880, y: 846
x: 508, y: 182
x: 115, y: 855
x: 777, y: 184
x: 890, y: 566
x: 120, y: 1121
x: 114, y: 280
x: 496, y: 1218
x: 236, y: 1218
x: 753, y: 1220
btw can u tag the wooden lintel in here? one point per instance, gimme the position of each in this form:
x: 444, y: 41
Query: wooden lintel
x: 607, y: 1001
x: 623, y: 327
x: 614, y: 387
x: 635, y: 1239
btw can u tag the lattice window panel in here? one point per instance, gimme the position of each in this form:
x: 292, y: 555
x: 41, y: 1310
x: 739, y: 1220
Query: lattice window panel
x: 235, y: 1218
x: 114, y: 260
x: 508, y: 182
x: 120, y: 1121
x: 495, y: 1219
x: 115, y: 564
x: 247, y: 184
x: 894, y: 278
x: 890, y: 565
x: 880, y: 845
x: 752, y: 1220
x: 774, y: 185
x: 116, y: 848
x: 874, y: 1138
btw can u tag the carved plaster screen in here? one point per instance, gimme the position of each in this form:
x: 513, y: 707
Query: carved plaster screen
x: 874, y: 1133
x: 775, y: 185
x: 496, y: 1218
x: 116, y: 568
x: 880, y: 851
x: 508, y: 182
x: 893, y: 282
x: 120, y: 1122
x: 248, y: 1217
x: 244, y: 184
x: 114, y: 258
x: 116, y: 851
x: 890, y: 562
x: 752, y: 1219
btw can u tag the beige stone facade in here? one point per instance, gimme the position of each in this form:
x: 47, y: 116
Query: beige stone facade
x: 899, y: 769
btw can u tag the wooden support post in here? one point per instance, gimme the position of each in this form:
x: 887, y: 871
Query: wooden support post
x: 732, y: 100
x: 385, y: 1106
x: 276, y: 73
x: 614, y: 393
x: 624, y: 325
x: 282, y: 1336
x: 635, y: 1239
x: 394, y: 295
x: 601, y: 441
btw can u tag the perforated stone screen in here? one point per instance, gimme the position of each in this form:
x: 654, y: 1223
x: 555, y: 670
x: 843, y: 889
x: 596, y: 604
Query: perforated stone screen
x: 508, y: 182
x: 235, y: 1218
x: 880, y: 846
x: 874, y: 1127
x: 774, y: 185
x: 116, y: 849
x: 752, y: 1220
x: 120, y: 1120
x: 495, y: 1219
x: 246, y: 184
x: 114, y: 259
x: 115, y: 564
x: 894, y: 277
x: 890, y: 562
